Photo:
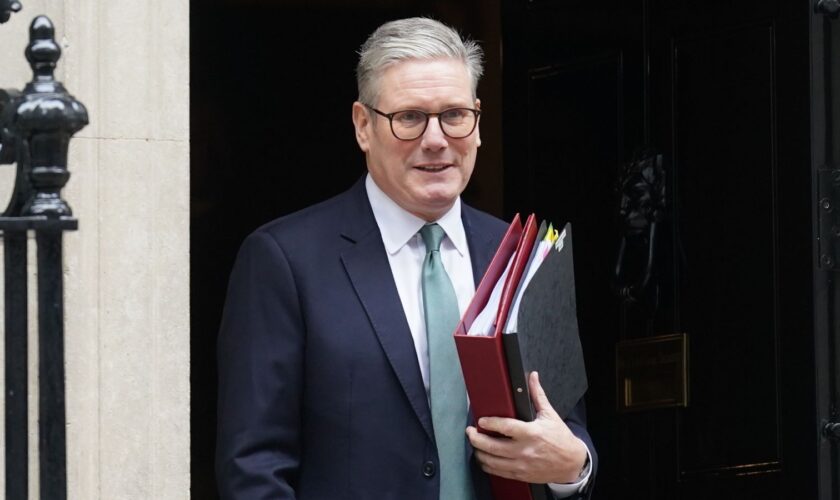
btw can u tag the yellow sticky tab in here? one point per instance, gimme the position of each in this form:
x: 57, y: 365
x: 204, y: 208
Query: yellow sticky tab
x: 547, y: 235
x: 551, y: 235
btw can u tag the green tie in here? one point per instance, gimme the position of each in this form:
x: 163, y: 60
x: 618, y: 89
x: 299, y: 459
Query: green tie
x: 448, y: 394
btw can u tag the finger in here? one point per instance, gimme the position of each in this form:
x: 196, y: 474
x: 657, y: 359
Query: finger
x: 538, y: 397
x: 498, y: 466
x: 510, y: 427
x: 499, y: 447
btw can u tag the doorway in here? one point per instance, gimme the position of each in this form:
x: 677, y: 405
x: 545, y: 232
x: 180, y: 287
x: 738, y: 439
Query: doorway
x: 272, y: 85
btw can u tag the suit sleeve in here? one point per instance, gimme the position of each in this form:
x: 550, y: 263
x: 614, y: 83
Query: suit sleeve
x: 576, y: 420
x: 260, y: 361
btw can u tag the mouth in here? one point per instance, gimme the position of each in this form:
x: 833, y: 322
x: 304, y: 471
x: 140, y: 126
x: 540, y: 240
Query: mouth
x: 433, y: 167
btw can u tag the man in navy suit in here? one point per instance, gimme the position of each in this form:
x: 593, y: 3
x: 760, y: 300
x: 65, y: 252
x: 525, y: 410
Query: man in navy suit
x: 323, y: 354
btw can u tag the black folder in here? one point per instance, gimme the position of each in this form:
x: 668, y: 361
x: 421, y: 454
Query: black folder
x: 547, y: 338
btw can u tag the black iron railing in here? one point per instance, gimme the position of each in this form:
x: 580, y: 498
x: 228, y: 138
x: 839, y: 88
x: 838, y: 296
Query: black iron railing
x: 36, y: 125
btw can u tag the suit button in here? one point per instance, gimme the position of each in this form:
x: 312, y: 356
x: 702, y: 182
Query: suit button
x: 429, y: 469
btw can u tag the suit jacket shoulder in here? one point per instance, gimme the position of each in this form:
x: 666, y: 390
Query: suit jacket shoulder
x: 348, y: 212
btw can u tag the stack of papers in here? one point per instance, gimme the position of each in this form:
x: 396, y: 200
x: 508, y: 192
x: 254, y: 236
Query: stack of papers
x: 523, y: 318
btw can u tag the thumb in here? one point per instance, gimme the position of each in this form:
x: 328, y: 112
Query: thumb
x: 541, y: 403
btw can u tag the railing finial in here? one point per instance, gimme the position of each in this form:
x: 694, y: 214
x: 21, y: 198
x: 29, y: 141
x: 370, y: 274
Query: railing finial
x: 7, y: 7
x: 46, y: 116
x: 43, y: 51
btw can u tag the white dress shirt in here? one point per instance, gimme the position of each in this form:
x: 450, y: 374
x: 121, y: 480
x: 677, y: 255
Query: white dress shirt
x: 406, y: 251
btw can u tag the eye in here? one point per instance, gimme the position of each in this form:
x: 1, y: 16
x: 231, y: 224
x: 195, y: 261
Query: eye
x: 409, y: 118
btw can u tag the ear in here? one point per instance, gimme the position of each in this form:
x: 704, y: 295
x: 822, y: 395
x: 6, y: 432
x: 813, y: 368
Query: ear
x: 477, y: 132
x: 362, y: 122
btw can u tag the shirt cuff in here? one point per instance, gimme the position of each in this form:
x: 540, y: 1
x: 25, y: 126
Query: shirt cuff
x: 565, y: 490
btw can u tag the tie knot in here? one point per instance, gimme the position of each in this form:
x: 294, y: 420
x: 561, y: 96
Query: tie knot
x: 432, y: 236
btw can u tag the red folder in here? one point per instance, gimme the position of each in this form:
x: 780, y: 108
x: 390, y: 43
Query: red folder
x: 483, y: 360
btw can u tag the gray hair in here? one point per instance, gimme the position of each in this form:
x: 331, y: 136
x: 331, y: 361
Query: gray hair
x: 413, y: 38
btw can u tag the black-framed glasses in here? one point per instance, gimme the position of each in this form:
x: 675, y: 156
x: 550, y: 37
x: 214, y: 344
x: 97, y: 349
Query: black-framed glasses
x: 409, y: 124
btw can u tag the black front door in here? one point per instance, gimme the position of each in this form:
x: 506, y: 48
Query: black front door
x: 825, y: 162
x: 723, y: 92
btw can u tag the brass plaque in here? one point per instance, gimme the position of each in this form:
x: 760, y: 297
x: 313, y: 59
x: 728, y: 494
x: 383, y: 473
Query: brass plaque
x: 652, y: 373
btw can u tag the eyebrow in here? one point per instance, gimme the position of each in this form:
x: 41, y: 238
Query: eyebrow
x: 426, y: 109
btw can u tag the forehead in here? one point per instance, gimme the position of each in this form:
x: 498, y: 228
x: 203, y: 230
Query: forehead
x: 418, y: 81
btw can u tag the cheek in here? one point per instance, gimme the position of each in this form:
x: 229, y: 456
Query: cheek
x: 470, y: 153
x: 389, y: 160
x: 397, y: 156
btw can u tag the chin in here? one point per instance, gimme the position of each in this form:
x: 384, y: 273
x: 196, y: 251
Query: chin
x: 439, y: 195
x: 442, y: 191
x: 435, y: 207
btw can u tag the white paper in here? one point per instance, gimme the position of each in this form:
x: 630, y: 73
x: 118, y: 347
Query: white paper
x: 486, y: 320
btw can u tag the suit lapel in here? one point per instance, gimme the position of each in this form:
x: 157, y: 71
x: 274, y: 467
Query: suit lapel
x: 482, y: 242
x: 367, y: 267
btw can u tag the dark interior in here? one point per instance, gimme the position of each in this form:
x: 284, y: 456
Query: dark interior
x: 722, y: 91
x: 271, y: 91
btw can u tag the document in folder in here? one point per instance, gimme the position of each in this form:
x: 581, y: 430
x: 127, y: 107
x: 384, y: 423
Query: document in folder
x: 495, y: 365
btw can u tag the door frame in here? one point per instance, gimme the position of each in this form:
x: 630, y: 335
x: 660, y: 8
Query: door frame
x: 825, y: 168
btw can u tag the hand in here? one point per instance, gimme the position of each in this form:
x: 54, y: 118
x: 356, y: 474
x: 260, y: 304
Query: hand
x: 542, y: 451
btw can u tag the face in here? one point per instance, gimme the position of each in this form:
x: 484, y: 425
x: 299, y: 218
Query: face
x: 424, y: 176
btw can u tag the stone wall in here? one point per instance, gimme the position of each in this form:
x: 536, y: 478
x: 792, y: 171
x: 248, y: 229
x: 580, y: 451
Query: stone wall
x: 127, y: 267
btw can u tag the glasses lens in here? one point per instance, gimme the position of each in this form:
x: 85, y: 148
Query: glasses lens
x: 457, y: 122
x: 408, y: 124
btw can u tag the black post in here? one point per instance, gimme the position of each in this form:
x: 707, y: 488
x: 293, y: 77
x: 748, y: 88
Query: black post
x: 35, y: 130
x: 52, y: 444
x: 47, y: 116
x: 17, y: 451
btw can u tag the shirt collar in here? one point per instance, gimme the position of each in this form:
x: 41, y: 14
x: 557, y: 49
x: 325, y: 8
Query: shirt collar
x: 398, y: 226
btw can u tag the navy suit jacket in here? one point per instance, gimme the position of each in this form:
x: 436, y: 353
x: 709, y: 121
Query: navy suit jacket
x: 320, y: 393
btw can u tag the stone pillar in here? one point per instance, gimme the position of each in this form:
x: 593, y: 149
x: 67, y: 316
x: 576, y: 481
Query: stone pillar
x: 127, y: 267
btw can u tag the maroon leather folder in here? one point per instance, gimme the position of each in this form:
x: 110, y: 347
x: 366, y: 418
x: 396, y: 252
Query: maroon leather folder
x: 483, y: 360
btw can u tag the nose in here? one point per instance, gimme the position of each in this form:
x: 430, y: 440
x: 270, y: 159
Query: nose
x: 433, y: 138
